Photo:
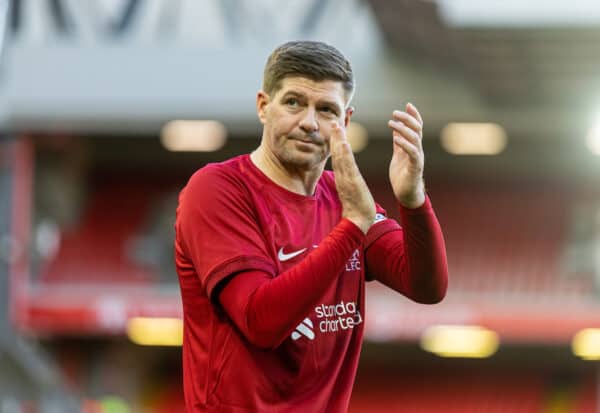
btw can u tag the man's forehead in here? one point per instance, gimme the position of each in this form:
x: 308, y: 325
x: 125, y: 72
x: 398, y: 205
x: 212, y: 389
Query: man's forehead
x: 330, y: 89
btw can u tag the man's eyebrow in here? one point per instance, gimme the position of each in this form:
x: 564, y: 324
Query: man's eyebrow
x: 293, y: 93
x: 331, y: 103
x: 327, y: 102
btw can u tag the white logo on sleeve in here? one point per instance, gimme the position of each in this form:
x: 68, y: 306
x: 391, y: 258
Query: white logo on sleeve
x: 284, y: 257
x: 305, y: 328
x: 379, y: 217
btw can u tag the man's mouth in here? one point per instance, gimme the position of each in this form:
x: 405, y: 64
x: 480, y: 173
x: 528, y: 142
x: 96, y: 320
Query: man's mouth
x: 307, y: 140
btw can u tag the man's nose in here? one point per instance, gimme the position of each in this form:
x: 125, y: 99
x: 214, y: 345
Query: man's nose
x: 309, y: 123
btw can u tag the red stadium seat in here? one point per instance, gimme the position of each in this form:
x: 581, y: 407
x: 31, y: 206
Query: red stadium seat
x: 99, y: 248
x: 507, y: 240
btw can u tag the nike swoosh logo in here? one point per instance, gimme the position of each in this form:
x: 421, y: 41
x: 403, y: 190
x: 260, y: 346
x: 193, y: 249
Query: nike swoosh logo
x: 284, y: 257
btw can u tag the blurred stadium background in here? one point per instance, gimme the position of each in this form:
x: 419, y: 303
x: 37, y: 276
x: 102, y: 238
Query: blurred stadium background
x: 91, y: 164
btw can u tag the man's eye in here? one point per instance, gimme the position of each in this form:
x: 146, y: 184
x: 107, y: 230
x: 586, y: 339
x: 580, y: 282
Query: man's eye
x: 292, y: 102
x: 328, y: 110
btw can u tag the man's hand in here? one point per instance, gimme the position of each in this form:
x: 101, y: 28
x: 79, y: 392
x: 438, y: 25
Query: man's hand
x: 408, y: 160
x: 357, y: 202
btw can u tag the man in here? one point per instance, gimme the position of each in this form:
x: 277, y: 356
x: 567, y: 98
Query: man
x: 273, y: 252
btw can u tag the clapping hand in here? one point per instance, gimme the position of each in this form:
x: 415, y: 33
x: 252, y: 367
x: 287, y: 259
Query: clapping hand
x: 408, y: 159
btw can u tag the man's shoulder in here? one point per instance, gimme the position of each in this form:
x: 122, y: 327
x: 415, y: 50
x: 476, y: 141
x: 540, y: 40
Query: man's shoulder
x: 226, y: 177
x: 218, y: 173
x: 216, y: 188
x: 233, y: 165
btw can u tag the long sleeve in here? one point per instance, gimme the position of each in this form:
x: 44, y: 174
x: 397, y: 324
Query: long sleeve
x: 266, y: 309
x: 412, y: 259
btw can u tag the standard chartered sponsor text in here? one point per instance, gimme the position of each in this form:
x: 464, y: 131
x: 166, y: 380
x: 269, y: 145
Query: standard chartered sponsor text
x: 340, y: 316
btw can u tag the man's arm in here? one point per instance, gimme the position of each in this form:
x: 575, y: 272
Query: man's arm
x: 266, y: 309
x: 412, y: 259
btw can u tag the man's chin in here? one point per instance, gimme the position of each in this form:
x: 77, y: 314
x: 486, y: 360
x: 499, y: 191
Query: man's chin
x: 304, y: 160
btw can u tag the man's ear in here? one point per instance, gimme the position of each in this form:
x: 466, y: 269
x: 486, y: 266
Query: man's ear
x: 262, y: 100
x: 349, y: 112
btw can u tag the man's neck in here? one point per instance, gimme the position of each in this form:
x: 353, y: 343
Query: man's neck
x: 294, y: 179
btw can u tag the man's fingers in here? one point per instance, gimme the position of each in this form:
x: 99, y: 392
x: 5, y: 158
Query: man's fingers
x: 342, y: 158
x: 412, y: 109
x: 407, y: 130
x: 337, y: 133
x: 337, y: 139
x: 411, y: 150
x: 408, y: 133
x: 409, y: 120
x: 357, y: 203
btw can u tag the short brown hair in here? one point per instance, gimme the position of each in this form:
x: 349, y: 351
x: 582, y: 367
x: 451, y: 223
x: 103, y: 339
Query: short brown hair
x: 314, y: 60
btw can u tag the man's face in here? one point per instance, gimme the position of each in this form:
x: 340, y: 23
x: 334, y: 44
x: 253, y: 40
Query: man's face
x: 297, y: 120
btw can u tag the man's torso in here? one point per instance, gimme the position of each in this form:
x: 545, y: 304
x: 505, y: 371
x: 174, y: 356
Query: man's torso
x: 314, y: 366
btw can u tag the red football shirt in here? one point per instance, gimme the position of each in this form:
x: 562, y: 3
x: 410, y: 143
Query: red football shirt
x: 231, y: 219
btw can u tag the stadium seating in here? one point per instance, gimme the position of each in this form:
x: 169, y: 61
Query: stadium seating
x: 500, y: 241
x: 101, y: 248
x: 509, y: 240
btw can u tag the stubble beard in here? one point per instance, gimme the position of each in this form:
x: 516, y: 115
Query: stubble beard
x: 295, y: 158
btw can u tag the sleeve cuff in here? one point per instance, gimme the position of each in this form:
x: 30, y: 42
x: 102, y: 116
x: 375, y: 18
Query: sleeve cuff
x: 352, y: 230
x: 425, y: 208
x: 379, y: 229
